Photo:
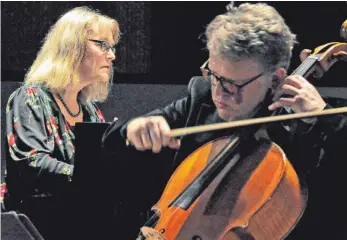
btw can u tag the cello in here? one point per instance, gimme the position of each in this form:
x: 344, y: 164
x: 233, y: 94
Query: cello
x: 221, y: 192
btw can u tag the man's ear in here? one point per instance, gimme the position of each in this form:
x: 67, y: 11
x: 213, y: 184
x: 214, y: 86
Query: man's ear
x: 277, y: 79
x: 275, y: 82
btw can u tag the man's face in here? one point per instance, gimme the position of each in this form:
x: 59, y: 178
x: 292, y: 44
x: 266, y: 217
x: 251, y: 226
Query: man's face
x: 238, y: 103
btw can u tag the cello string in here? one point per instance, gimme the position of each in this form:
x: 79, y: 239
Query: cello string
x: 302, y: 65
x: 305, y: 66
x: 183, y: 194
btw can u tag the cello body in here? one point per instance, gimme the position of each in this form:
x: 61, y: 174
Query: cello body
x: 259, y: 197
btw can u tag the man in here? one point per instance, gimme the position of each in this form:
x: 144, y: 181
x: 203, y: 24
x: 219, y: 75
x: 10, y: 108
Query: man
x: 244, y: 77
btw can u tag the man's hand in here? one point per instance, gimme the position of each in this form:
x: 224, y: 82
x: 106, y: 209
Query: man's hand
x: 305, y: 97
x: 151, y: 133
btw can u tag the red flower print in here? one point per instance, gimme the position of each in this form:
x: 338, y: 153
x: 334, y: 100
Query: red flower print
x: 11, y: 139
x: 3, y: 191
x: 49, y: 128
x: 31, y: 91
x: 100, y: 116
x: 67, y: 126
x: 58, y: 140
x: 52, y: 119
x: 32, y: 152
x: 54, y: 123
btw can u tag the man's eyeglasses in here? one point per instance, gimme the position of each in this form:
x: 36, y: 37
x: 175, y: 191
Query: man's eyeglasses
x: 105, y: 46
x: 227, y: 84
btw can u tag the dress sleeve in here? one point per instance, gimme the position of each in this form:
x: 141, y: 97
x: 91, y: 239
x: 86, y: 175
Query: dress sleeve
x: 32, y: 137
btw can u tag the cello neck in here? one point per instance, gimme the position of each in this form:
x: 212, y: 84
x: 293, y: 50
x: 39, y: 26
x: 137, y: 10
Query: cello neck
x: 306, y: 67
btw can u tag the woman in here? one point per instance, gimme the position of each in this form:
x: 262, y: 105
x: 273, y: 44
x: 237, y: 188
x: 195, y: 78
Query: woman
x: 72, y: 71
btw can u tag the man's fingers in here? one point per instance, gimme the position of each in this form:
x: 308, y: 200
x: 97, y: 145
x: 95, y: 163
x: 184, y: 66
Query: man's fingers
x: 165, y: 131
x: 295, y: 81
x: 151, y: 133
x: 286, y: 89
x: 282, y: 102
x: 174, y: 143
x: 304, y: 54
x: 136, y: 141
x: 155, y: 136
x: 145, y: 137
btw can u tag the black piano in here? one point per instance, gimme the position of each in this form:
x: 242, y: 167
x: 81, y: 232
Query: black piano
x: 110, y: 198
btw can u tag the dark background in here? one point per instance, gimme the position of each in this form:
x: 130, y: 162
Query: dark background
x: 161, y: 41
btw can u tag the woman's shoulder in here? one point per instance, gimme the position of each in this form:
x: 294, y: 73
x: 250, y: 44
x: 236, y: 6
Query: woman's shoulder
x: 29, y: 91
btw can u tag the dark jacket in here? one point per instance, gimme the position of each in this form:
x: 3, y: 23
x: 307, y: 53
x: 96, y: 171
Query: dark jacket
x: 303, y: 143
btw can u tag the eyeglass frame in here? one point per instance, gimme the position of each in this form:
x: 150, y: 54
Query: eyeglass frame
x: 104, y: 45
x: 206, y: 71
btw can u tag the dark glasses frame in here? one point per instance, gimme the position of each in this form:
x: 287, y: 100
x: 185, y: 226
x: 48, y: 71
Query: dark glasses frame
x: 104, y: 45
x: 206, y: 72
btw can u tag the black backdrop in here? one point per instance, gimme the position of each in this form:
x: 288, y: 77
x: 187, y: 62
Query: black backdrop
x: 160, y: 42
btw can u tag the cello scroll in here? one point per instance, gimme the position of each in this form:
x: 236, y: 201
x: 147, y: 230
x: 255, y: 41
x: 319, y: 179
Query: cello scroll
x: 326, y: 55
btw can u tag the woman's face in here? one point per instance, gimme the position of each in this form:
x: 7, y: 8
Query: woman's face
x: 97, y: 64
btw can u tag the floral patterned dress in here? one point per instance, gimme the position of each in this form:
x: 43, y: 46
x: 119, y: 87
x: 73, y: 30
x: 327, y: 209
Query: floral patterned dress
x: 41, y: 143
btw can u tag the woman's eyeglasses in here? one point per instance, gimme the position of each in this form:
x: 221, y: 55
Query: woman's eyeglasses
x: 227, y: 84
x: 105, y: 46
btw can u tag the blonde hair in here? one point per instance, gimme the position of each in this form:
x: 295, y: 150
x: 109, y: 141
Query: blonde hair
x: 254, y: 31
x: 58, y: 62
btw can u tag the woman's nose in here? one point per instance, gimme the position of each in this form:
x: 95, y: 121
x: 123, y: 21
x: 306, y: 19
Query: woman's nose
x: 111, y: 55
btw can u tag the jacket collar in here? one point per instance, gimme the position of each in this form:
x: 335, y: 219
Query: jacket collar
x: 208, y: 115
